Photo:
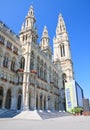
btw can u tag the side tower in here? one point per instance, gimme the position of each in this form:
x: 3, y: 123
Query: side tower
x: 28, y: 38
x: 28, y: 31
x: 45, y: 45
x: 62, y: 50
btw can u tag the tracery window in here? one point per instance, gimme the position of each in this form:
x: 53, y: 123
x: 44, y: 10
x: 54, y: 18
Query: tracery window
x: 9, y: 45
x: 22, y: 63
x: 64, y: 79
x: 5, y: 61
x: 62, y: 50
x: 13, y: 65
x: 2, y: 39
x: 32, y: 61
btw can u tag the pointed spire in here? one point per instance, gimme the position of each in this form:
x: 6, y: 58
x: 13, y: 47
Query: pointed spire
x: 31, y: 11
x: 61, y: 25
x: 45, y: 32
x: 45, y: 38
x: 30, y: 19
x: 45, y: 46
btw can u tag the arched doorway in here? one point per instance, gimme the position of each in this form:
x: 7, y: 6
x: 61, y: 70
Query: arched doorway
x: 44, y: 103
x: 41, y: 96
x: 19, y: 100
x: 30, y: 107
x: 1, y: 96
x: 8, y: 99
x: 37, y: 101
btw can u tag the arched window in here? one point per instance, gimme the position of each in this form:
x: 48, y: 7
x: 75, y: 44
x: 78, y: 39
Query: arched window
x: 32, y: 61
x: 27, y: 22
x: 1, y: 55
x: 38, y: 65
x: 62, y: 50
x: 41, y: 72
x: 50, y: 74
x: 22, y: 63
x: 5, y: 61
x: 45, y: 75
x: 45, y: 72
x: 13, y: 65
x: 64, y: 79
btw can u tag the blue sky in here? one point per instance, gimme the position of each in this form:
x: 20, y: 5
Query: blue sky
x: 76, y: 14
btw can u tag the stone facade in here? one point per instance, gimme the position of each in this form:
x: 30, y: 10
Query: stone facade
x: 29, y: 78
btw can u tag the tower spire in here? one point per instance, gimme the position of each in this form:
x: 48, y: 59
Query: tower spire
x: 45, y: 45
x: 28, y: 30
x: 45, y: 32
x: 61, y: 28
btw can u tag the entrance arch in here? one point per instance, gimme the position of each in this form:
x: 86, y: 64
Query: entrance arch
x: 8, y: 99
x: 41, y: 99
x: 1, y: 96
x: 37, y: 101
x: 44, y: 102
x: 30, y: 103
x: 19, y: 100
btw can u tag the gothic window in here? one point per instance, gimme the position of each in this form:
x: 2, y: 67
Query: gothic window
x: 41, y: 72
x: 64, y: 79
x: 15, y: 50
x: 26, y: 36
x: 23, y: 37
x: 62, y: 50
x: 2, y: 74
x: 38, y: 65
x: 9, y: 45
x: 27, y: 22
x: 32, y: 61
x: 31, y: 65
x: 2, y: 39
x: 13, y: 66
x: 22, y: 63
x: 5, y: 61
x: 50, y: 74
x: 57, y: 79
x: 45, y: 72
x: 60, y: 27
x: 45, y: 75
x: 1, y: 55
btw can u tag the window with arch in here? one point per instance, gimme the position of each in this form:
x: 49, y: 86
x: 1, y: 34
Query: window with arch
x: 2, y: 39
x: 5, y: 61
x: 32, y: 61
x: 64, y: 79
x: 62, y: 50
x: 38, y: 65
x: 45, y: 72
x: 50, y: 74
x: 13, y: 65
x: 41, y: 72
x: 22, y: 63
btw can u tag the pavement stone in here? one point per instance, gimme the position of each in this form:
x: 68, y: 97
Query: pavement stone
x: 61, y: 123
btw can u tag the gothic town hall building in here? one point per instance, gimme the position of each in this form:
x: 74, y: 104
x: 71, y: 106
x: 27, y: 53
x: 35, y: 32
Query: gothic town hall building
x: 29, y: 77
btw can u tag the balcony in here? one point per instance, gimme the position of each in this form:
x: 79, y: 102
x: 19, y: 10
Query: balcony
x: 9, y: 48
x: 34, y: 72
x: 20, y: 70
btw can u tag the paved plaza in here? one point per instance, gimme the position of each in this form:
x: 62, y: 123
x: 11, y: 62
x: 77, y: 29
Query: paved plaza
x: 61, y: 123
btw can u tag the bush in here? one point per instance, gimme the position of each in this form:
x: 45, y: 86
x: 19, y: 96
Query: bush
x: 77, y: 110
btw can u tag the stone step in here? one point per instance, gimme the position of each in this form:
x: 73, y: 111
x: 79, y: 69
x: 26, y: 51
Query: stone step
x: 33, y: 115
x: 8, y: 114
